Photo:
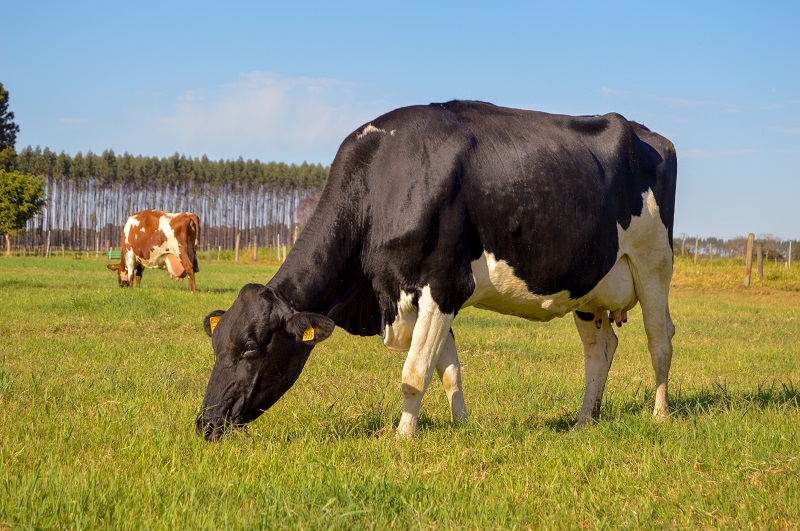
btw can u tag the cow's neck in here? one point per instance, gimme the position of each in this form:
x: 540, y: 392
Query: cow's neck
x: 324, y: 271
x: 323, y: 268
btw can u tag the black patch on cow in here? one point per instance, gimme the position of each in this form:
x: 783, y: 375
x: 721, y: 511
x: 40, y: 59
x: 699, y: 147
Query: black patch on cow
x: 585, y: 316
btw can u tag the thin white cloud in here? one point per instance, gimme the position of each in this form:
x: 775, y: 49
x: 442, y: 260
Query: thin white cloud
x: 268, y: 113
x: 607, y: 91
x: 72, y: 121
x: 788, y: 130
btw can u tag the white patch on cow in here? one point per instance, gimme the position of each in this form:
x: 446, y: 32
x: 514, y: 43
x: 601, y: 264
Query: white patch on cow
x: 615, y: 292
x: 129, y: 225
x: 369, y: 128
x: 431, y: 330
x: 499, y: 289
x: 397, y: 336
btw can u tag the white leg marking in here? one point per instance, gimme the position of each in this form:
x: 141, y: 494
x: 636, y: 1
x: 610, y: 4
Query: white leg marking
x: 660, y: 329
x: 130, y: 265
x: 647, y: 245
x: 430, y: 334
x: 449, y: 370
x: 599, y: 344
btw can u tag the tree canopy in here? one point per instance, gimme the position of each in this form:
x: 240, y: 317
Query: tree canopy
x: 137, y: 170
x: 21, y: 197
x: 8, y: 131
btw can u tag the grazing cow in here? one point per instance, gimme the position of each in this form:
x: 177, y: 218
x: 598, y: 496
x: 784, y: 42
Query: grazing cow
x: 156, y: 239
x: 429, y: 209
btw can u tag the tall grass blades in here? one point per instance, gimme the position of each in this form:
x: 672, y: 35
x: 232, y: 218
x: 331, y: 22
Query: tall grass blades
x: 99, y: 388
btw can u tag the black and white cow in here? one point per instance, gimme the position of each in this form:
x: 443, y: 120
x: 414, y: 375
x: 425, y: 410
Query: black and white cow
x: 430, y: 209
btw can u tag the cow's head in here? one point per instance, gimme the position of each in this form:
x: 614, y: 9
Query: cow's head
x: 261, y: 345
x: 122, y: 275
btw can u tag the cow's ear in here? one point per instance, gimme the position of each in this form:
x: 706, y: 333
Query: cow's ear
x: 113, y: 267
x: 211, y: 320
x: 310, y: 327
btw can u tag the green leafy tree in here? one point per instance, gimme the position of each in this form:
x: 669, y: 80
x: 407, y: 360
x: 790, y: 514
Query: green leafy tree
x: 21, y: 197
x: 8, y: 132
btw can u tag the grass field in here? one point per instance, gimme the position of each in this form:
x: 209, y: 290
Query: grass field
x: 99, y: 388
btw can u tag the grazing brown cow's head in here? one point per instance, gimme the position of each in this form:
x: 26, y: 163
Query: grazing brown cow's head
x: 261, y: 345
x: 122, y: 275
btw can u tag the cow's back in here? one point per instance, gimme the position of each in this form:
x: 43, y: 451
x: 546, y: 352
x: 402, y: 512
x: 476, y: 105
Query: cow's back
x: 544, y: 193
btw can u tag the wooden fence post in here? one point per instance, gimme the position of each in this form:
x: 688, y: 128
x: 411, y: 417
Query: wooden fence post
x: 760, y: 254
x: 696, y: 245
x: 236, y: 254
x: 711, y: 258
x: 748, y: 259
x: 208, y: 247
x: 790, y: 254
x: 683, y: 246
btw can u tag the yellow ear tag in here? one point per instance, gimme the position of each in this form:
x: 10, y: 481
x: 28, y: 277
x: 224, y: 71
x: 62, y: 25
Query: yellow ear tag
x: 212, y: 321
x: 308, y: 335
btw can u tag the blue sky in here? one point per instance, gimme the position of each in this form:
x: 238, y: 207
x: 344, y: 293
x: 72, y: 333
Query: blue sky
x: 287, y: 81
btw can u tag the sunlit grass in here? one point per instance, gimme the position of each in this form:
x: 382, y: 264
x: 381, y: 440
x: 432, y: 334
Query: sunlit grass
x: 99, y: 387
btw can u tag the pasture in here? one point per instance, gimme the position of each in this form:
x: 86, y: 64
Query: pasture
x: 99, y: 387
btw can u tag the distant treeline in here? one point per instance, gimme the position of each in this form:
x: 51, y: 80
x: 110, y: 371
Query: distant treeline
x: 773, y: 247
x: 89, y: 197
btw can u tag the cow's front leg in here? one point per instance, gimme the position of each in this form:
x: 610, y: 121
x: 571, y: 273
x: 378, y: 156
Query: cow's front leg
x: 431, y: 332
x: 449, y: 370
x: 139, y: 271
x: 599, y: 346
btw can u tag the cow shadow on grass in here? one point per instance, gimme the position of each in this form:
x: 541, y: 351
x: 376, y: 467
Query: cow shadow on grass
x: 688, y: 403
x: 719, y: 398
x: 221, y: 290
x: 381, y: 421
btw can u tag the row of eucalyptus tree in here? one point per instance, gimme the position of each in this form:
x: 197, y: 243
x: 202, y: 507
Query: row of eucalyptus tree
x: 90, y: 196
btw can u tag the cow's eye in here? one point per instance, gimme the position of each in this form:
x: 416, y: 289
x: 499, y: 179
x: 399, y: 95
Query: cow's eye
x: 250, y: 350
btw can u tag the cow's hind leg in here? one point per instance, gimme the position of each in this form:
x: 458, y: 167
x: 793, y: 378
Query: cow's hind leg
x: 599, y: 345
x: 653, y: 293
x: 192, y: 285
x: 431, y: 332
x: 189, y: 268
x: 449, y: 370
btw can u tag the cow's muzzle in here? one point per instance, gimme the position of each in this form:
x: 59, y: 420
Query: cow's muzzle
x: 212, y: 429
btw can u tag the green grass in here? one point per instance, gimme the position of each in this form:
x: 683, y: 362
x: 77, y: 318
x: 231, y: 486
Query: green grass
x: 99, y: 387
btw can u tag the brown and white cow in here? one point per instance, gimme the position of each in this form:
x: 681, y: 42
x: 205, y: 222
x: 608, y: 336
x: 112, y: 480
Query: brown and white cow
x: 156, y: 239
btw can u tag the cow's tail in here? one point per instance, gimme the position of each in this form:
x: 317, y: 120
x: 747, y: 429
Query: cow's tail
x: 194, y: 223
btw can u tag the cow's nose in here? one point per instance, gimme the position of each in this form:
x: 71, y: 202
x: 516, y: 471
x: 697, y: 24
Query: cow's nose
x: 212, y: 429
x: 209, y: 431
